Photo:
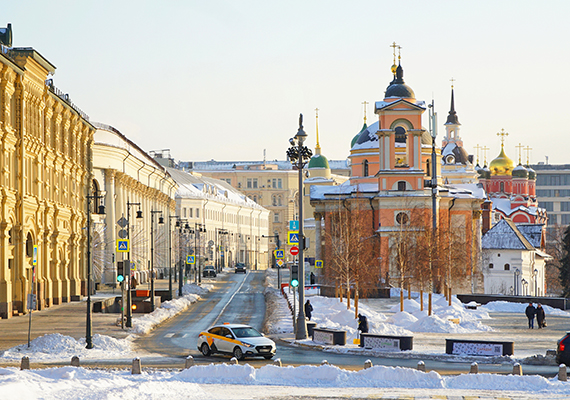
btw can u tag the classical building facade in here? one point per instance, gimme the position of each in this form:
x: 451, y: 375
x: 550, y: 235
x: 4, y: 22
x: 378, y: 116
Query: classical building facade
x: 126, y: 180
x: 45, y: 164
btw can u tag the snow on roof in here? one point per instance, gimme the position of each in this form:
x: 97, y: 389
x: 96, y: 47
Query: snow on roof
x: 467, y: 190
x: 192, y: 186
x: 319, y: 192
x: 532, y: 232
x: 505, y: 235
x: 448, y: 149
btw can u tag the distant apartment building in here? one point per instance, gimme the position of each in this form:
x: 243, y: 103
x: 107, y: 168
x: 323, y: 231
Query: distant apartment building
x: 553, y: 194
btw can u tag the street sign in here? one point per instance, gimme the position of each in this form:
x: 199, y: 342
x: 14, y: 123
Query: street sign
x: 35, y: 260
x: 123, y: 234
x: 122, y: 245
x: 318, y: 263
x: 122, y: 222
x: 292, y: 237
x: 294, y: 225
x: 280, y: 263
x: 279, y: 254
x: 32, y: 301
x: 294, y: 250
x: 190, y: 260
x: 210, y: 243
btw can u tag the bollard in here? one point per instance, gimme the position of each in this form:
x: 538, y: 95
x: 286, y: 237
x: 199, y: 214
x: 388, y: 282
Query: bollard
x: 517, y: 369
x: 474, y: 368
x: 277, y: 362
x: 325, y: 362
x: 234, y: 361
x: 367, y: 364
x: 421, y: 366
x: 25, y: 364
x: 136, y: 370
x: 189, y: 362
x: 562, y: 375
x: 75, y: 361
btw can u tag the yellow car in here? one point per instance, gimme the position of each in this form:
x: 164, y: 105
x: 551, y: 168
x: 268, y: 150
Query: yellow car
x: 235, y: 339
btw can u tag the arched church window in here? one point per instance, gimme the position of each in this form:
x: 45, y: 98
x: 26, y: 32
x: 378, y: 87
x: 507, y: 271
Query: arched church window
x: 401, y: 186
x: 428, y: 169
x: 502, y: 186
x: 29, y: 246
x: 507, y: 267
x: 365, y: 168
x: 400, y: 134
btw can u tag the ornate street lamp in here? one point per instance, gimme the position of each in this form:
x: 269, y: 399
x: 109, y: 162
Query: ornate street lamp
x: 129, y: 323
x: 170, y: 295
x: 89, y: 324
x: 299, y: 155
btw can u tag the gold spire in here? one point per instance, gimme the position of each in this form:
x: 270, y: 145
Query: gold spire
x: 318, y: 146
x: 394, y: 66
x: 452, y: 80
x: 365, y: 103
x: 477, y: 148
x: 521, y: 148
x: 527, y: 149
x: 399, y: 49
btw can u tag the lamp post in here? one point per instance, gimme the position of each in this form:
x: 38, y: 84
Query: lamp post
x: 535, y: 277
x: 160, y: 221
x: 199, y: 228
x: 170, y: 295
x: 129, y: 323
x: 299, y: 155
x: 220, y: 255
x: 525, y: 287
x: 433, y: 185
x: 88, y: 323
x: 181, y: 261
x: 516, y: 275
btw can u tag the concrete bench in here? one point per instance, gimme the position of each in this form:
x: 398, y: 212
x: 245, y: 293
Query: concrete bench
x: 329, y: 336
x: 479, y: 347
x: 386, y: 342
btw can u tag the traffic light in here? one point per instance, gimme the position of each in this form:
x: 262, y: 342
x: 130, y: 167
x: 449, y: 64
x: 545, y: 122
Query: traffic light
x: 120, y: 271
x: 294, y: 275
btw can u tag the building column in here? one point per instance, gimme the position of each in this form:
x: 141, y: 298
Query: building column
x: 111, y: 218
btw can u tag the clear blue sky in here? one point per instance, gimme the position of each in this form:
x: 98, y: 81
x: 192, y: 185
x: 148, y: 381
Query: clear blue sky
x: 225, y: 80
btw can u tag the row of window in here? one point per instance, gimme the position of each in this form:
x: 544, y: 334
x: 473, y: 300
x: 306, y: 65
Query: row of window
x: 553, y: 179
x: 553, y: 192
x: 253, y: 183
x: 549, y: 205
x: 561, y: 219
x: 506, y: 267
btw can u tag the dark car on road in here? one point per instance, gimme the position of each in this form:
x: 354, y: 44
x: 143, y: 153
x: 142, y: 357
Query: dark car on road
x: 563, y: 350
x: 209, y: 271
x: 240, y: 267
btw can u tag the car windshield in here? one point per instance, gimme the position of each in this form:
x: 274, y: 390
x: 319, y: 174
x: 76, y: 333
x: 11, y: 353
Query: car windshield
x: 246, y: 332
x: 209, y: 267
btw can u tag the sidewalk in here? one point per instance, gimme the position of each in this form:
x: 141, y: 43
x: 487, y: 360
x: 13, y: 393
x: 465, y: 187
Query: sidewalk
x: 69, y: 319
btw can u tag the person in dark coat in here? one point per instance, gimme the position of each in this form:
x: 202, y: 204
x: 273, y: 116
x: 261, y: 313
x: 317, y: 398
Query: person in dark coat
x: 530, y: 312
x: 308, y: 309
x: 540, y: 316
x: 362, y: 323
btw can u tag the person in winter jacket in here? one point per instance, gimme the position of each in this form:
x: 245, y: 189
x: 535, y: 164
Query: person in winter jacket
x: 308, y: 309
x: 540, y: 316
x: 362, y: 323
x: 530, y: 312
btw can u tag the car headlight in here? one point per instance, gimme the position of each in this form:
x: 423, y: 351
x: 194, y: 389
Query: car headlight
x: 246, y: 344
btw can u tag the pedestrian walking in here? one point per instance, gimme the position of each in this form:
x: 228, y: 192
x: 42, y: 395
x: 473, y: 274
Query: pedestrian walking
x: 530, y: 312
x: 540, y: 316
x: 308, y: 309
x: 362, y: 323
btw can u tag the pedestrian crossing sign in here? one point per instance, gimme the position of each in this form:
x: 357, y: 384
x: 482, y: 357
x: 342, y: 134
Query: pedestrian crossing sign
x: 318, y: 263
x: 122, y: 245
x: 293, y: 238
x: 190, y: 260
x: 279, y: 254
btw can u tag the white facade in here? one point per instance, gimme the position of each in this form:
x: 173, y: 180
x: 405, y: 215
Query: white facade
x: 223, y: 225
x: 128, y: 180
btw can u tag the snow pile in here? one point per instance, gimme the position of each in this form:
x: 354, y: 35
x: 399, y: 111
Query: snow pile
x: 58, y: 347
x: 442, y: 315
x: 508, y: 307
x: 191, y: 293
x: 278, y: 318
x: 72, y: 383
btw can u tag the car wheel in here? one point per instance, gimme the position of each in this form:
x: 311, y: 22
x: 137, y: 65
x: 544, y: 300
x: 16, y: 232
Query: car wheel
x: 268, y: 357
x: 238, y: 353
x: 205, y: 349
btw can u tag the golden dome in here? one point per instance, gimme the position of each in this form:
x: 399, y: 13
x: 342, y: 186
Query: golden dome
x: 502, y: 165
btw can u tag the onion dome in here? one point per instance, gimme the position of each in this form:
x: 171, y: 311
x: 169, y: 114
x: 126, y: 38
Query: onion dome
x: 502, y: 165
x: 520, y: 172
x: 531, y: 173
x: 484, y: 173
x: 398, y: 88
x: 354, y: 139
x: 318, y: 161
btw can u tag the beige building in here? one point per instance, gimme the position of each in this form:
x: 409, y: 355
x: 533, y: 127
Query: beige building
x: 45, y: 166
x: 127, y: 180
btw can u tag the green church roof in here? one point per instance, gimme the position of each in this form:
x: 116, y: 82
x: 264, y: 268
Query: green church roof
x: 354, y: 139
x: 319, y: 161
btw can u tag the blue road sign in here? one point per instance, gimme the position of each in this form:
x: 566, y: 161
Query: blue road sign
x: 318, y: 263
x: 279, y: 254
x: 293, y: 225
x: 122, y: 245
x: 293, y: 238
x: 190, y: 260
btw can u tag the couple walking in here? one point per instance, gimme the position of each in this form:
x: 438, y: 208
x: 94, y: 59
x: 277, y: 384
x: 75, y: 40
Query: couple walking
x: 531, y: 312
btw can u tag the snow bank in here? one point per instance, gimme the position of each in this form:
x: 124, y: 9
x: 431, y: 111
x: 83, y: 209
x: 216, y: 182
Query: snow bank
x: 508, y: 307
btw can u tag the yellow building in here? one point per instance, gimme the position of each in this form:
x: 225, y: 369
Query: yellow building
x: 45, y: 166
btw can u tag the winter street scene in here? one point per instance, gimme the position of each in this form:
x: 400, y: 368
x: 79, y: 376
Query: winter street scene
x: 284, y: 200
